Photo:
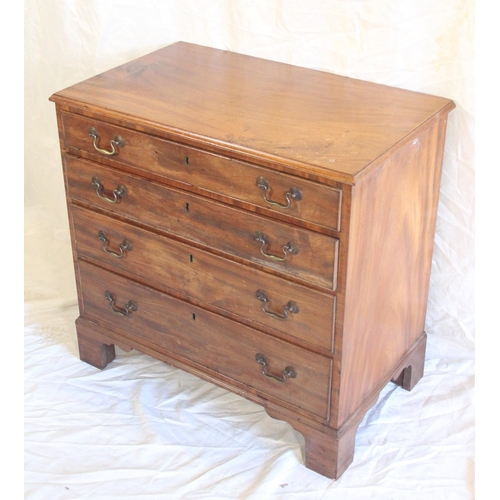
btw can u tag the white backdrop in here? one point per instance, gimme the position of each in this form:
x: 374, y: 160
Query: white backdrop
x: 423, y: 45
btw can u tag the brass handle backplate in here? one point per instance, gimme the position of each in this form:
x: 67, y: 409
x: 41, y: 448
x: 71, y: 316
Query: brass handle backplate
x: 290, y: 248
x: 294, y: 193
x: 129, y: 306
x: 118, y: 193
x: 288, y: 372
x: 291, y: 306
x: 117, y: 142
x: 123, y: 247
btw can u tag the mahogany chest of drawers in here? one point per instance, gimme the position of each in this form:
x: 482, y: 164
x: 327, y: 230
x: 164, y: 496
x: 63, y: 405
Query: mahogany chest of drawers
x: 266, y: 227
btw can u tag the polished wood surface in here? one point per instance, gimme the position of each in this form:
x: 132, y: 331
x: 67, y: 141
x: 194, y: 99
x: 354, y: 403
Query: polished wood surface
x: 208, y: 339
x: 400, y: 223
x: 323, y: 123
x: 212, y: 281
x: 184, y: 136
x: 213, y: 225
x: 208, y: 174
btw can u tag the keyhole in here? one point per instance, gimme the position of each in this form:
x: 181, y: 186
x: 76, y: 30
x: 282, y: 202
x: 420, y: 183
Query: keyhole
x: 186, y: 160
x: 193, y: 315
x: 190, y: 258
x: 187, y: 206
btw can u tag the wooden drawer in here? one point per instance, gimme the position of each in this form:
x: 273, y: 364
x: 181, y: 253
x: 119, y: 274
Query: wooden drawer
x: 235, y: 232
x: 228, y: 286
x: 224, y: 176
x: 216, y: 343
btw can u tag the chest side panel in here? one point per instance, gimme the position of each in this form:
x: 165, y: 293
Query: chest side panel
x: 393, y: 219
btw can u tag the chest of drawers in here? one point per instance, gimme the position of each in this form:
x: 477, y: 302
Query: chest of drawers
x: 265, y: 227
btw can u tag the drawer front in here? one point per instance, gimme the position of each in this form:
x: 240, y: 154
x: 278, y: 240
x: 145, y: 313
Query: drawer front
x: 228, y: 286
x: 304, y: 254
x: 232, y: 179
x: 219, y: 344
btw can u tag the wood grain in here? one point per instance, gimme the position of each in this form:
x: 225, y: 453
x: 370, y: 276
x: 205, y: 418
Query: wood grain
x: 208, y: 339
x: 314, y: 120
x: 213, y: 225
x: 225, y: 286
x: 389, y: 264
x: 208, y: 173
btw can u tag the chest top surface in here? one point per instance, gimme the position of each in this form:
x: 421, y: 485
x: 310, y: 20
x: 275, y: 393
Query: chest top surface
x: 326, y: 124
